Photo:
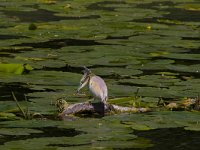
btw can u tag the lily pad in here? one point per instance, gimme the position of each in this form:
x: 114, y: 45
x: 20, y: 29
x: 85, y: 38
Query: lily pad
x: 15, y: 68
x: 18, y: 131
x: 8, y: 116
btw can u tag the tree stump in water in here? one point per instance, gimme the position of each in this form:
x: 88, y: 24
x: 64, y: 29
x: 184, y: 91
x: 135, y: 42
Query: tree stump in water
x: 101, y: 109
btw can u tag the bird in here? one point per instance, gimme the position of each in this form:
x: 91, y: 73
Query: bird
x: 96, y: 85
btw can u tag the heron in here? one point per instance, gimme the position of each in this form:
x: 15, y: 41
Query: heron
x: 96, y: 85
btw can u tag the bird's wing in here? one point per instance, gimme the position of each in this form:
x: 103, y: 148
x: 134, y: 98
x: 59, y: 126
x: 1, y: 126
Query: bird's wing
x: 98, y: 87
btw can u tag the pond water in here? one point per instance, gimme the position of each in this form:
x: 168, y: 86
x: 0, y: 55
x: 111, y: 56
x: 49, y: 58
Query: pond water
x: 172, y: 138
x: 148, y: 47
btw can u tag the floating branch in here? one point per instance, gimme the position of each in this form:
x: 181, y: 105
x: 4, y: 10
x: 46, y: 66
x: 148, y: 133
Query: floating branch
x: 66, y: 109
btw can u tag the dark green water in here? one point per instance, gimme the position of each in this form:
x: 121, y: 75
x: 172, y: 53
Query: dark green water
x: 172, y: 138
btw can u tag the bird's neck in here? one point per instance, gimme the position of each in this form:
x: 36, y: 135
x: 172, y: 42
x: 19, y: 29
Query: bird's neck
x: 90, y: 76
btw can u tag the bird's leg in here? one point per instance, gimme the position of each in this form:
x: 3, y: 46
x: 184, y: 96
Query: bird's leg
x: 91, y: 100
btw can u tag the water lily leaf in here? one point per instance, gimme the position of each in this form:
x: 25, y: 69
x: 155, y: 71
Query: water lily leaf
x: 116, y: 71
x: 121, y: 90
x: 167, y: 21
x: 195, y: 127
x: 121, y: 100
x: 184, y: 68
x: 32, y: 59
x: 15, y: 68
x: 101, y: 133
x: 137, y: 126
x: 8, y: 116
x: 120, y: 60
x: 161, y: 119
x: 183, y: 56
x: 30, y: 123
x: 190, y: 6
x: 55, y: 142
x: 138, y: 143
x: 18, y: 131
x: 151, y: 81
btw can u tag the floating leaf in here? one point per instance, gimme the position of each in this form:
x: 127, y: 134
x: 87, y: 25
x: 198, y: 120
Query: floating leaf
x: 18, y: 131
x: 195, y: 127
x: 15, y: 68
x: 8, y: 116
x: 136, y: 126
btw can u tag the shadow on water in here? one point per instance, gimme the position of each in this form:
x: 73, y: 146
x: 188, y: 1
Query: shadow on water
x: 179, y: 61
x: 182, y: 15
x: 66, y: 68
x: 194, y: 51
x: 46, y: 132
x: 41, y: 15
x: 155, y: 5
x: 59, y: 43
x: 189, y: 50
x: 15, y: 50
x: 6, y: 55
x: 79, y: 70
x: 68, y: 145
x: 174, y: 13
x: 3, y: 26
x: 120, y: 37
x: 19, y: 89
x: 171, y: 138
x: 180, y: 75
x: 101, y: 5
x: 191, y: 38
x: 7, y: 37
x: 10, y: 51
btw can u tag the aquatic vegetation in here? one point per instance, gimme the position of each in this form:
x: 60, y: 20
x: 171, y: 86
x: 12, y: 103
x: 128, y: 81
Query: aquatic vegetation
x: 148, y: 45
x: 15, y: 68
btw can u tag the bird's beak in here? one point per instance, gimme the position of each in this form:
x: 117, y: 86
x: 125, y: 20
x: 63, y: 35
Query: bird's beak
x: 81, y: 86
x: 78, y: 90
x: 84, y: 79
